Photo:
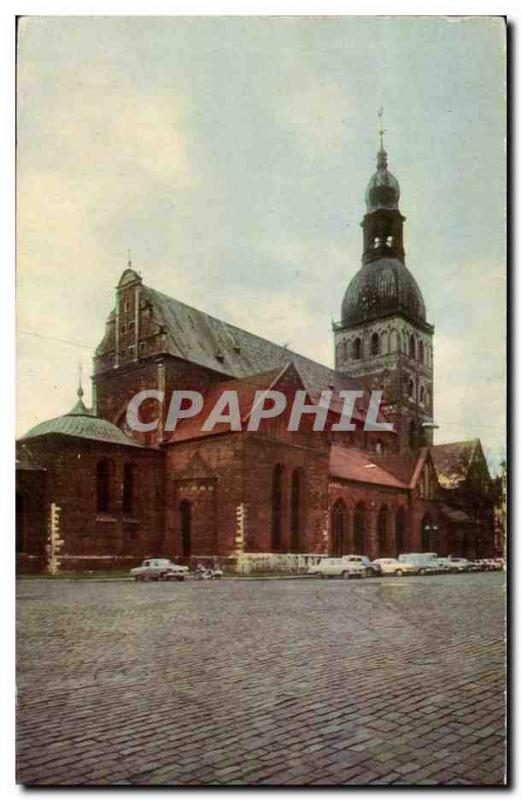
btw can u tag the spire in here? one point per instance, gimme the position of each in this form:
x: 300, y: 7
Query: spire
x: 80, y: 408
x: 382, y: 156
x: 129, y: 261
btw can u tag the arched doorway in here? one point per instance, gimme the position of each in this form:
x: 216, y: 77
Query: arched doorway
x: 359, y: 528
x: 382, y: 531
x: 426, y: 534
x: 296, y: 516
x: 277, y: 495
x: 338, y: 528
x: 185, y: 519
x: 400, y: 526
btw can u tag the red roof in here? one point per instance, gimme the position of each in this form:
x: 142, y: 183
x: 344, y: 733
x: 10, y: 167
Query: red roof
x: 354, y: 465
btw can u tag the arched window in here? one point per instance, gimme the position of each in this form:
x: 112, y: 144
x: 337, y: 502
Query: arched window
x: 345, y: 350
x: 411, y: 346
x: 185, y: 525
x: 103, y: 498
x: 277, y: 504
x: 412, y: 434
x: 389, y: 241
x: 296, y: 516
x: 421, y: 395
x: 128, y: 489
x: 379, y: 447
x: 411, y: 389
x: 400, y: 526
x: 382, y: 531
x: 19, y: 523
x: 384, y: 343
x: 338, y: 528
x: 374, y: 344
x: 359, y: 529
x: 376, y: 242
x: 421, y: 352
x: 356, y: 348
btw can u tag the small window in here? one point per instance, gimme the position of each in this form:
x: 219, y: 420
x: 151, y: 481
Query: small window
x: 422, y: 395
x: 123, y: 328
x: 374, y: 344
x: 127, y: 305
x: 142, y: 347
x: 389, y: 241
x: 376, y: 242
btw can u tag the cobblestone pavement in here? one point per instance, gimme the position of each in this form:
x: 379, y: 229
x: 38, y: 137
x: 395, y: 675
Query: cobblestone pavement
x: 384, y: 681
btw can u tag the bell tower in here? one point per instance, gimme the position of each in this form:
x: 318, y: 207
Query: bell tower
x: 383, y: 338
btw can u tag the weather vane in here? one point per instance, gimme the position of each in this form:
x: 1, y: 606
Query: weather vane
x: 382, y: 130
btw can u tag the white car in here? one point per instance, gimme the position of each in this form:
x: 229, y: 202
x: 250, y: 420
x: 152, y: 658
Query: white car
x: 159, y: 569
x: 392, y: 566
x: 459, y: 564
x: 427, y: 562
x: 338, y: 568
x: 371, y: 569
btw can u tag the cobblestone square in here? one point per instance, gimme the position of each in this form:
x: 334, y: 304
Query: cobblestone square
x: 297, y: 682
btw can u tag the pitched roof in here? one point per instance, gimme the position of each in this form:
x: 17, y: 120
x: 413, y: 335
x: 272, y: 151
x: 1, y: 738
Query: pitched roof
x: 355, y: 465
x: 287, y: 380
x: 452, y: 461
x: 196, y: 336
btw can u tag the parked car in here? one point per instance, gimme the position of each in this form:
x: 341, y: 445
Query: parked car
x: 159, y: 569
x: 459, y: 564
x: 338, y: 568
x: 392, y: 566
x: 426, y: 562
x: 372, y: 570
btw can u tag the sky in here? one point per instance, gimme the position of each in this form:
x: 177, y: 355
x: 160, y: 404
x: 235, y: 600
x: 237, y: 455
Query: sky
x: 230, y: 156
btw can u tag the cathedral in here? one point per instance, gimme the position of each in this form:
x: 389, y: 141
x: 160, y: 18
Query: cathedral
x: 94, y: 494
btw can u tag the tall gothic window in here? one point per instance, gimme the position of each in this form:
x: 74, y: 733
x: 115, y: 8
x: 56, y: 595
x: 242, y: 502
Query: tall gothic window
x: 338, y: 527
x: 400, y: 526
x: 421, y: 352
x: 103, y: 498
x: 359, y: 529
x: 374, y: 344
x: 426, y: 534
x: 412, y: 434
x: 411, y: 346
x: 277, y: 495
x: 382, y: 530
x: 356, y: 349
x: 128, y: 489
x: 19, y: 523
x: 296, y: 516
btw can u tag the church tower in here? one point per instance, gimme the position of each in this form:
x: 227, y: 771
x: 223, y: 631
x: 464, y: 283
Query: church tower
x: 383, y: 338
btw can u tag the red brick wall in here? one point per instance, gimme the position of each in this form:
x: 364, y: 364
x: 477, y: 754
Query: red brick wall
x: 71, y: 484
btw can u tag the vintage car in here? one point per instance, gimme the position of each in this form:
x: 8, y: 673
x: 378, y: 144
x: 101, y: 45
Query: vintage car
x: 372, y: 570
x: 338, y: 568
x: 159, y: 569
x: 392, y: 566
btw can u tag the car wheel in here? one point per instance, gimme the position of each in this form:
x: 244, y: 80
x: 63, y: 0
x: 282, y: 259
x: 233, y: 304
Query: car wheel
x: 138, y: 577
x: 369, y: 573
x: 345, y: 575
x: 399, y: 573
x: 422, y: 572
x: 180, y: 577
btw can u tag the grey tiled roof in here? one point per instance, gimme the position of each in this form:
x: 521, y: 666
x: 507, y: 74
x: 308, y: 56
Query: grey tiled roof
x: 195, y: 336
